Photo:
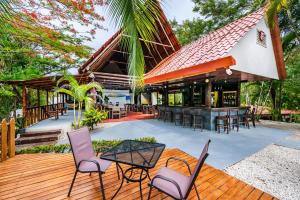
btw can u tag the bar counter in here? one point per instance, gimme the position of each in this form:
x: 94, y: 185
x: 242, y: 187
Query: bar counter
x: 209, y: 114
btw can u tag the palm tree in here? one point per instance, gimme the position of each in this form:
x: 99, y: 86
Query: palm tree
x: 136, y: 19
x: 79, y: 94
x: 276, y: 6
x: 5, y: 10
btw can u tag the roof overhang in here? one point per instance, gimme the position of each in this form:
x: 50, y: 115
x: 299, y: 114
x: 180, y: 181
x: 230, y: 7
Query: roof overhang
x: 203, y: 68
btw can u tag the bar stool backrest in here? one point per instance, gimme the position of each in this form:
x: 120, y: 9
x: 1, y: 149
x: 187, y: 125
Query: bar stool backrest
x: 186, y: 111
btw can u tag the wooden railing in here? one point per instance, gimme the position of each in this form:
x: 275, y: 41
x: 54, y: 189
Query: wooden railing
x: 39, y: 113
x: 8, y: 134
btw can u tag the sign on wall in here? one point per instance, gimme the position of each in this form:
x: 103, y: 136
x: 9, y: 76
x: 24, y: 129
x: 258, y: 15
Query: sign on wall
x: 261, y: 38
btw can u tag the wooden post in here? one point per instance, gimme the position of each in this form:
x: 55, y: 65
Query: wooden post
x: 238, y: 98
x: 39, y: 105
x: 3, y: 140
x: 24, y: 106
x: 208, y: 87
x: 47, y: 98
x: 11, y: 138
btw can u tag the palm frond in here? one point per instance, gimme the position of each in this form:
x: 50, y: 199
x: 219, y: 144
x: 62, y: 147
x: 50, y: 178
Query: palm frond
x: 137, y: 19
x: 273, y: 8
x: 65, y: 91
x: 5, y: 9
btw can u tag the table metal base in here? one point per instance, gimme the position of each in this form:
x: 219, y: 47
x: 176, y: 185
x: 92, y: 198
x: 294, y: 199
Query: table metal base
x: 130, y: 176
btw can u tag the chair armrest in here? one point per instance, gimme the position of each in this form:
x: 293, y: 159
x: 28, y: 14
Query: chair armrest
x: 93, y: 161
x: 168, y: 180
x: 181, y: 160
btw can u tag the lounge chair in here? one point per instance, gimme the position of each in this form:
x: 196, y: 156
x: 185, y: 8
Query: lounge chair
x: 85, y: 158
x: 175, y: 184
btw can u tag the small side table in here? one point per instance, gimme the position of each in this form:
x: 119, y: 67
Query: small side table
x: 140, y: 156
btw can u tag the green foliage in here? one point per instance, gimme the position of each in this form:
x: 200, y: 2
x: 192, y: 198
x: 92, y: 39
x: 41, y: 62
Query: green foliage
x: 93, y: 117
x: 79, y: 93
x: 99, y: 146
x: 136, y: 18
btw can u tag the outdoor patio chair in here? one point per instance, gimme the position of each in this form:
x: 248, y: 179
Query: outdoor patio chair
x: 175, y: 184
x: 168, y: 115
x: 123, y: 112
x: 178, y: 117
x: 116, y: 113
x: 244, y: 118
x: 222, y: 121
x: 198, y: 121
x: 85, y: 158
x: 187, y: 117
x: 161, y: 113
x: 234, y: 119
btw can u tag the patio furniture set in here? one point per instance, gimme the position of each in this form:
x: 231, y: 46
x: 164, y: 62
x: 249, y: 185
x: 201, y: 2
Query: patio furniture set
x: 225, y: 118
x: 117, y: 111
x: 133, y: 160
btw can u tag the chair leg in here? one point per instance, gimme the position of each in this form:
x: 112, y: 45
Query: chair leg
x: 197, y: 191
x: 72, y: 183
x: 90, y: 173
x: 101, y: 185
x: 118, y: 172
x: 149, y: 195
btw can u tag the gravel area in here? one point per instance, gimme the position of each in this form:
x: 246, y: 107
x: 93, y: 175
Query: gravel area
x: 275, y: 170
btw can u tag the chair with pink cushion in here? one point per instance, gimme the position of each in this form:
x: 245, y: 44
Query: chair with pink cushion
x: 175, y: 184
x: 85, y: 158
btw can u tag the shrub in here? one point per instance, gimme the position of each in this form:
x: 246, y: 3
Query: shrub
x: 93, y: 117
x: 99, y: 146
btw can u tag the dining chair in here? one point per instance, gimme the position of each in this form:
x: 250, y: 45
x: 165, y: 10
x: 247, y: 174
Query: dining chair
x: 175, y: 184
x: 84, y: 156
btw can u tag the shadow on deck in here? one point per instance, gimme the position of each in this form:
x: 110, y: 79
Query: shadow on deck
x: 48, y: 176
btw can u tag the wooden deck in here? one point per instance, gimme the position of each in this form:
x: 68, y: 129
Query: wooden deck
x: 48, y: 176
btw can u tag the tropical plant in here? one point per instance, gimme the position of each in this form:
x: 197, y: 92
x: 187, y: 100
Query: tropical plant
x: 136, y: 19
x: 98, y: 145
x: 79, y: 92
x: 93, y: 117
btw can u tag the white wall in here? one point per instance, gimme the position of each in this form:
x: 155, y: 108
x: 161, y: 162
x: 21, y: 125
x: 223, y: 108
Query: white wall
x: 117, y: 96
x: 252, y: 57
x: 154, y: 98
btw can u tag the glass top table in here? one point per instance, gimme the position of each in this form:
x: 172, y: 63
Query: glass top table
x: 140, y: 156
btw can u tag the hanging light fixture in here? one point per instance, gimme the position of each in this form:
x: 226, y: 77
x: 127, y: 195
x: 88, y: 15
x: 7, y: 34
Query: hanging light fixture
x: 228, y: 71
x: 206, y: 80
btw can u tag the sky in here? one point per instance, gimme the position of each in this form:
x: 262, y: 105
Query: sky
x: 178, y: 9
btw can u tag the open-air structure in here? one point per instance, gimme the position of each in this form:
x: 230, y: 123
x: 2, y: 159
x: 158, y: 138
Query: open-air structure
x: 193, y: 85
x: 206, y: 73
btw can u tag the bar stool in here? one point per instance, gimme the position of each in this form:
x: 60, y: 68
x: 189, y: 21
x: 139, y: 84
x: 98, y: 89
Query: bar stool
x: 197, y: 119
x: 161, y: 113
x: 222, y: 121
x: 234, y: 119
x: 244, y: 118
x: 178, y: 117
x: 168, y: 115
x: 187, y: 118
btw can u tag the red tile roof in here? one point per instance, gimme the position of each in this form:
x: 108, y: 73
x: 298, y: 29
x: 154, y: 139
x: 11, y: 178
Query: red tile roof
x: 211, y: 47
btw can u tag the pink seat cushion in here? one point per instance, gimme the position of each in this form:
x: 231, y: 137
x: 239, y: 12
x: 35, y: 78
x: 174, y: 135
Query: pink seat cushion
x: 170, y: 188
x: 92, y: 167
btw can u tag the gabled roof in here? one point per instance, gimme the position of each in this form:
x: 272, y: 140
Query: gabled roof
x: 209, y: 48
x: 164, y: 45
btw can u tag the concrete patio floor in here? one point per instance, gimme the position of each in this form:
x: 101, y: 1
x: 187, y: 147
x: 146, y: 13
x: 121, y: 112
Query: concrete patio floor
x: 225, y: 150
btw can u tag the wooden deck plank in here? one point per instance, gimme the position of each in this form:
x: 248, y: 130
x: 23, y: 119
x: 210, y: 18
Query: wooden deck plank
x: 48, y: 176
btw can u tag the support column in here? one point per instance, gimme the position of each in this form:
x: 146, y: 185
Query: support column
x: 24, y: 105
x: 238, y: 95
x: 208, y: 88
x: 39, y: 105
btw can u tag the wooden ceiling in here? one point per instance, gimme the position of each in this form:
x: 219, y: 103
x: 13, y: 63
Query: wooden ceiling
x: 164, y: 44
